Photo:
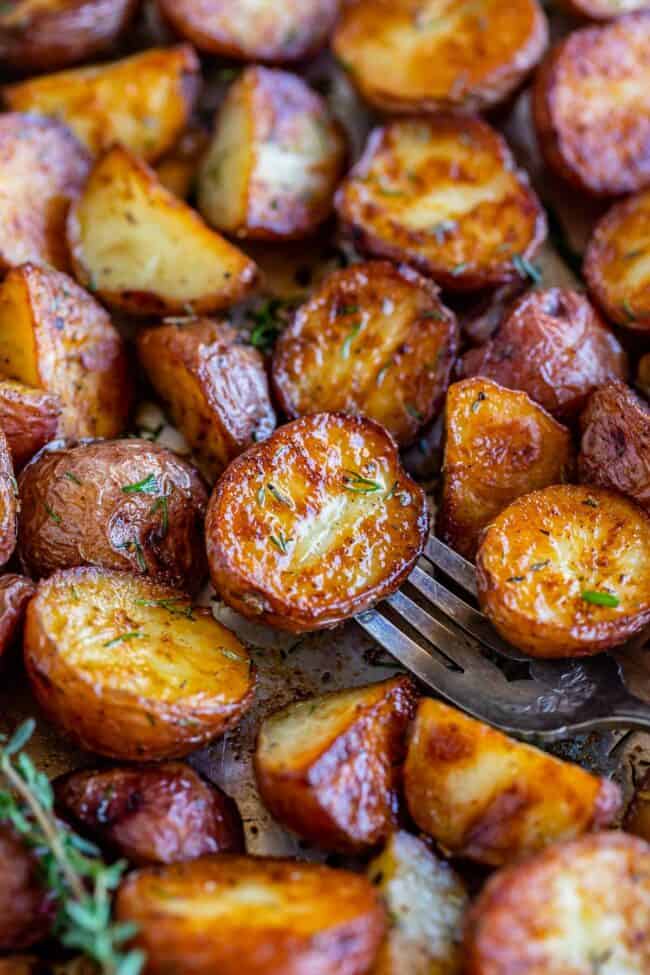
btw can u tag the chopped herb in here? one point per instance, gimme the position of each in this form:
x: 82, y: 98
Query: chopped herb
x: 280, y: 541
x: 358, y: 484
x: 173, y: 606
x: 227, y: 74
x: 630, y: 255
x: 414, y: 412
x: 53, y: 515
x: 477, y: 402
x: 628, y: 309
x: 442, y: 228
x: 600, y: 598
x: 536, y: 566
x: 347, y: 310
x: 590, y: 502
x: 231, y: 655
x: 381, y: 375
x: 459, y: 269
x: 139, y: 554
x: 134, y: 635
x: 352, y: 334
x: 261, y: 495
x: 434, y: 313
x: 389, y: 494
x: 516, y: 579
x: 269, y: 320
x: 160, y: 504
x: 527, y: 270
x: 389, y: 191
x: 72, y: 477
x: 148, y: 485
x: 280, y: 496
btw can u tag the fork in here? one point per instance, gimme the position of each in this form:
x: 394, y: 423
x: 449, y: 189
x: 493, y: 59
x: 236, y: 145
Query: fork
x: 442, y: 639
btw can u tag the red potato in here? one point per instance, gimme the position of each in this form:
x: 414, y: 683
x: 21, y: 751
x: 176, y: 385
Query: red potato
x: 26, y: 911
x: 9, y: 506
x: 29, y: 418
x: 15, y: 593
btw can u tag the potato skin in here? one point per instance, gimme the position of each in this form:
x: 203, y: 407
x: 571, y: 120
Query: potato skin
x: 15, y: 593
x: 9, y: 506
x: 29, y: 419
x: 491, y: 799
x: 26, y: 911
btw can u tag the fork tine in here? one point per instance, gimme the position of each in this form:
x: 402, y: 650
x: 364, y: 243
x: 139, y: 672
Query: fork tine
x: 451, y: 563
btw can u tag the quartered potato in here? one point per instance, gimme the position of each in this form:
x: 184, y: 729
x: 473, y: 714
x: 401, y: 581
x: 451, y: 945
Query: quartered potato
x: 498, y: 446
x: 54, y: 336
x: 9, y: 505
x: 592, y: 107
x: 604, y: 9
x: 252, y: 916
x: 275, y: 159
x: 26, y: 910
x: 434, y: 55
x: 129, y: 668
x: 315, y: 524
x: 29, y: 419
x: 489, y: 798
x: 15, y: 593
x: 554, y: 346
x: 565, y: 572
x: 215, y: 386
x: 178, y: 168
x: 144, y: 250
x: 329, y: 768
x: 142, y: 102
x: 581, y: 908
x: 372, y: 339
x: 443, y: 194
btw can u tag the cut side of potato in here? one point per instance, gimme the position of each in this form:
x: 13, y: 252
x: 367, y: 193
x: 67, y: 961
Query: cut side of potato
x: 26, y: 910
x: 15, y: 593
x: 444, y: 195
x: 308, y: 768
x: 315, y: 524
x: 489, y: 798
x: 129, y: 668
x: 372, y: 339
x: 565, y: 572
x: 604, y: 9
x: 29, y: 419
x: 498, y: 446
x: 144, y: 250
x: 178, y: 168
x: 9, y: 506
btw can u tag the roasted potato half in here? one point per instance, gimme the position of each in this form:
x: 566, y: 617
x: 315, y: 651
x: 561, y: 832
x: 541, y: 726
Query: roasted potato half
x: 26, y: 910
x: 9, y: 506
x: 216, y: 387
x: 592, y: 107
x: 498, y: 446
x: 580, y: 907
x: 275, y: 159
x: 436, y: 55
x: 372, y: 339
x: 492, y: 799
x: 583, y: 554
x: 29, y: 419
x: 54, y: 336
x: 144, y: 250
x: 15, y: 593
x: 444, y: 195
x: 129, y: 668
x: 253, y: 916
x: 143, y: 102
x: 315, y: 524
x: 554, y: 346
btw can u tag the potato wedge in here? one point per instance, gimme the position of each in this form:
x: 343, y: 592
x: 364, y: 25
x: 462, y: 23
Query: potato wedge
x: 143, y: 102
x: 604, y: 9
x: 56, y: 337
x: 178, y: 168
x: 15, y: 593
x: 215, y: 386
x: 554, y: 346
x: 144, y: 250
x: 129, y: 668
x: 436, y: 55
x: 591, y: 107
x: 581, y: 907
x: 487, y: 797
x: 583, y: 554
x: 498, y: 446
x: 253, y: 916
x: 372, y: 339
x: 29, y: 419
x: 315, y: 524
x: 9, y: 506
x: 26, y: 911
x: 444, y: 195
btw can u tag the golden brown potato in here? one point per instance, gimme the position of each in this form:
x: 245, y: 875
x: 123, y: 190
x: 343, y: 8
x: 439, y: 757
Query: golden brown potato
x: 582, y: 554
x: 142, y: 102
x: 26, y: 911
x: 15, y: 593
x: 129, y: 668
x: 56, y: 337
x: 215, y: 386
x: 580, y: 908
x: 372, y: 339
x: 151, y: 813
x: 178, y: 168
x: 275, y: 159
x: 120, y: 504
x: 329, y: 768
x: 444, y: 195
x: 492, y: 799
x: 498, y: 446
x: 9, y: 506
x: 637, y: 815
x: 252, y: 916
x: 315, y: 524
x: 592, y: 107
x: 554, y: 346
x: 436, y: 55
x: 29, y: 419
x: 144, y: 250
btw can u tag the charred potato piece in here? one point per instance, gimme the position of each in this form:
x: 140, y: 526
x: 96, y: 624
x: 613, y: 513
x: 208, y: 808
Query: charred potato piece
x: 583, y: 554
x: 637, y: 815
x: 144, y: 250
x: 308, y: 770
x: 275, y: 159
x: 56, y: 337
x: 592, y: 107
x: 604, y: 9
x: 29, y: 419
x: 15, y: 593
x: 252, y: 916
x: 372, y: 339
x: 315, y: 524
x: 579, y: 907
x: 178, y: 168
x: 492, y: 799
x: 436, y: 55
x: 26, y: 910
x: 129, y: 668
x: 9, y: 506
x: 142, y: 102
x: 444, y: 195
x: 498, y: 446
x: 216, y: 387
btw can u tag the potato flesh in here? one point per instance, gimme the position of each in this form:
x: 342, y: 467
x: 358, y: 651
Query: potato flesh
x: 225, y: 173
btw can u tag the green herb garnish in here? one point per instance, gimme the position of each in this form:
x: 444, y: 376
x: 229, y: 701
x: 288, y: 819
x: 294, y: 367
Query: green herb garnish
x: 527, y: 270
x: 52, y: 514
x: 172, y: 606
x: 148, y: 485
x: 280, y: 541
x: 133, y: 635
x: 72, y: 477
x: 358, y: 484
x: 352, y: 334
x: 600, y: 598
x: 280, y: 496
x: 160, y: 504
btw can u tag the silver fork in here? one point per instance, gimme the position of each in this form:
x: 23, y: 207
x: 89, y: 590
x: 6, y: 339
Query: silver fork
x: 442, y: 639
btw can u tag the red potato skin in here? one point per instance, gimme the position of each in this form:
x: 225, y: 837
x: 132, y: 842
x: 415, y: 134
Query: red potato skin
x: 8, y: 503
x: 29, y: 418
x: 26, y: 912
x: 15, y: 593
